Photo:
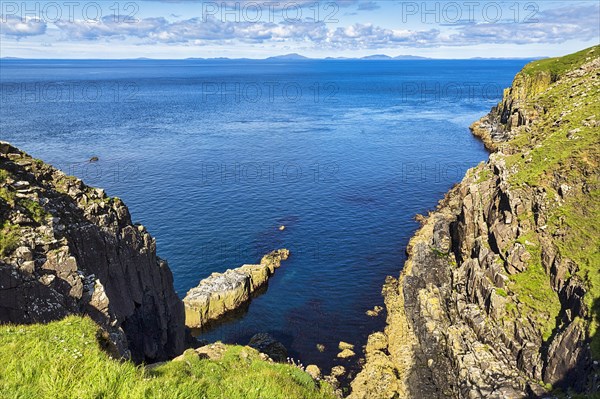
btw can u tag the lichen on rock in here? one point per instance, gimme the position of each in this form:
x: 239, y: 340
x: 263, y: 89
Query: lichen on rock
x: 221, y: 293
x: 497, y: 296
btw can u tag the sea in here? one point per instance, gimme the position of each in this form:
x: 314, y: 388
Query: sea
x: 214, y: 156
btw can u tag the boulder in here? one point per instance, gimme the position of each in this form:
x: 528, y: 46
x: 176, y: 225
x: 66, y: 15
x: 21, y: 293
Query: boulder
x: 265, y: 343
x: 314, y: 371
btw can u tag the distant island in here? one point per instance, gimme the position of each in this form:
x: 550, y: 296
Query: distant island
x: 300, y: 57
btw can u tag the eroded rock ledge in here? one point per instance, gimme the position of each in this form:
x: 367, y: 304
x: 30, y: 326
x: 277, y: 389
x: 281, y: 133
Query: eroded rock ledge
x: 495, y: 299
x: 66, y: 248
x: 224, y: 292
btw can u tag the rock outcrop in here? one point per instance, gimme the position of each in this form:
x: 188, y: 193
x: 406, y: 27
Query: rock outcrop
x: 66, y: 248
x: 512, y: 112
x: 497, y: 298
x: 265, y: 343
x: 221, y: 293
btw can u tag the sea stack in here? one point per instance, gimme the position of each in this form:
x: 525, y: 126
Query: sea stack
x: 223, y: 292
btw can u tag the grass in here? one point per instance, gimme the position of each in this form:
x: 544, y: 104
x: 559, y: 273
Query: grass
x: 9, y: 239
x: 534, y: 290
x: 8, y: 195
x: 484, y: 174
x: 34, y: 210
x: 4, y: 175
x: 63, y: 360
x: 563, y: 144
x: 558, y: 66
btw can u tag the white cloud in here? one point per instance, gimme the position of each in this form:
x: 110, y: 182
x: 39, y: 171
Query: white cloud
x: 110, y: 26
x: 579, y: 22
x: 11, y: 25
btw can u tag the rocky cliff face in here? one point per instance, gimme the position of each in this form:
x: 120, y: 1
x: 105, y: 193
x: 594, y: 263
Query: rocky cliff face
x: 498, y: 297
x: 66, y: 248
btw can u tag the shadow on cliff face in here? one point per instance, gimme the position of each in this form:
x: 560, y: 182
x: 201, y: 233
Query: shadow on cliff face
x: 45, y: 303
x: 582, y: 373
x: 95, y: 262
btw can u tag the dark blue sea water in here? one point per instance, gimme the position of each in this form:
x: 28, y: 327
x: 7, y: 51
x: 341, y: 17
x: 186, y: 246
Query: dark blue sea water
x: 213, y: 156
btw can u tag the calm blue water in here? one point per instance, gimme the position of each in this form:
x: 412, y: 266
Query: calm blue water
x: 213, y: 156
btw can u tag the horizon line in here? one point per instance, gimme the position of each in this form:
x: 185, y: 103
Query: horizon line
x: 286, y: 57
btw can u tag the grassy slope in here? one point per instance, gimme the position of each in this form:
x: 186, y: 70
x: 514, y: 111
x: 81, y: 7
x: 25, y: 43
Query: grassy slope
x: 546, y: 151
x: 63, y: 360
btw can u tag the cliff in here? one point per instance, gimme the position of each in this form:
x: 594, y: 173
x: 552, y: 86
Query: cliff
x: 66, y: 248
x: 499, y: 295
x: 82, y: 290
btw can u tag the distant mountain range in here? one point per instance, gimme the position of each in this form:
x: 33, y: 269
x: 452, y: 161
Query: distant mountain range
x: 375, y: 57
x: 299, y: 57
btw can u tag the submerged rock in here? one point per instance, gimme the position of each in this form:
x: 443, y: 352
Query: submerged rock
x: 374, y: 312
x: 346, y: 353
x: 223, y: 292
x: 265, y: 343
x: 345, y: 345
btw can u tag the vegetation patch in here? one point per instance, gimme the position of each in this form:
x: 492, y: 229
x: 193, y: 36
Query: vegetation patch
x: 63, y: 360
x: 9, y: 238
x: 34, y: 210
x: 560, y: 153
x: 534, y: 290
x: 558, y: 66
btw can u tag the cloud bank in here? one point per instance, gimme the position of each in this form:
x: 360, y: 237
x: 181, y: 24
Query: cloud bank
x: 552, y: 26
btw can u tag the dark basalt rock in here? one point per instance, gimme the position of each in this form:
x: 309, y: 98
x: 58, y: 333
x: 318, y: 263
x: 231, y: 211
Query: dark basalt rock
x: 76, y: 251
x: 265, y: 343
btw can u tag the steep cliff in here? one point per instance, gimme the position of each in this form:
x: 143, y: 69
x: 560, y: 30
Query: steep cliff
x: 499, y: 295
x: 66, y: 248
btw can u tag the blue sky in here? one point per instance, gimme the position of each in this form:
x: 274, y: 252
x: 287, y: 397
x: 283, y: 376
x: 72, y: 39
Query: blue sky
x: 262, y: 28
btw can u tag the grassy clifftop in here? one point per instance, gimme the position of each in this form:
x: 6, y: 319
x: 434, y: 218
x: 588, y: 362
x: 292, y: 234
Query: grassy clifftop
x: 499, y: 295
x: 560, y: 154
x: 64, y: 360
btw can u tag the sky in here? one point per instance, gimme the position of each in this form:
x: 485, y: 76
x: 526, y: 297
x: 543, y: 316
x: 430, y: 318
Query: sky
x: 176, y: 29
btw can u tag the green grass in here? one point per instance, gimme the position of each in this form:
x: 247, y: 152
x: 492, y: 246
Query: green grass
x: 63, y: 360
x: 558, y: 66
x: 501, y: 292
x: 484, y: 174
x: 569, y: 150
x: 8, y: 195
x: 9, y: 239
x: 34, y: 209
x: 534, y: 290
x: 4, y: 175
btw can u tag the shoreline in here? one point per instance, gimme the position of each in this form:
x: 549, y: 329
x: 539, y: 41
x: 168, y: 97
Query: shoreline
x: 475, y: 326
